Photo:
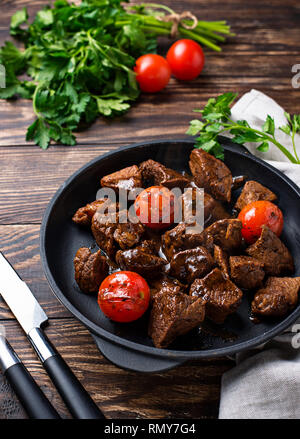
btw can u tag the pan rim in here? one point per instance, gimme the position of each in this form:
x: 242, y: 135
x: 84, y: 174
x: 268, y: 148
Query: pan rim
x: 149, y: 350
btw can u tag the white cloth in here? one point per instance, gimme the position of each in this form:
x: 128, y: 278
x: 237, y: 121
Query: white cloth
x: 265, y: 383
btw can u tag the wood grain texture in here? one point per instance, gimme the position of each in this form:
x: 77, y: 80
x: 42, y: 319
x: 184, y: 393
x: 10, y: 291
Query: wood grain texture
x: 260, y: 56
x: 191, y: 390
x: 20, y: 244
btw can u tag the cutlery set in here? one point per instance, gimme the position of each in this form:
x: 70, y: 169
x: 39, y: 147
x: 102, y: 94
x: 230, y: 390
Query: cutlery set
x: 32, y: 317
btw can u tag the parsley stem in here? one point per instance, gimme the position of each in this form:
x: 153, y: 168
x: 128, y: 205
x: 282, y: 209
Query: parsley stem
x: 294, y: 146
x: 266, y: 136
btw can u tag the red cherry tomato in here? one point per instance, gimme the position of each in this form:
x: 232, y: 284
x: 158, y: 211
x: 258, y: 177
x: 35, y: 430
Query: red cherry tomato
x: 186, y: 59
x: 124, y: 296
x: 257, y: 214
x: 155, y: 207
x: 152, y: 72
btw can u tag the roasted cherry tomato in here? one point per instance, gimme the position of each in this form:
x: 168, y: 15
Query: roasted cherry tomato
x: 257, y: 214
x: 186, y: 59
x: 152, y: 73
x: 156, y: 207
x: 124, y: 296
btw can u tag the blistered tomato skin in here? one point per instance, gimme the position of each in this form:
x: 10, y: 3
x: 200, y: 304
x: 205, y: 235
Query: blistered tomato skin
x: 124, y: 296
x: 259, y: 213
x: 156, y: 207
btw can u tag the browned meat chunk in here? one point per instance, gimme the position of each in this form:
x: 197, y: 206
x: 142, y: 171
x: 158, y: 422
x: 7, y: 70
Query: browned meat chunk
x: 246, y: 272
x: 213, y: 209
x: 253, y: 191
x: 128, y: 234
x: 222, y: 296
x: 178, y: 239
x: 165, y: 285
x: 84, y: 215
x: 278, y: 297
x: 103, y: 229
x: 221, y: 259
x: 141, y: 261
x: 211, y: 174
x: 269, y: 250
x: 191, y: 264
x: 127, y: 178
x: 172, y: 315
x: 157, y: 174
x: 90, y: 269
x: 226, y: 233
x: 238, y: 181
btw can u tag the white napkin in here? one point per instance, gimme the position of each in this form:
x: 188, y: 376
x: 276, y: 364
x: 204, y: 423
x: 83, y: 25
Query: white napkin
x: 265, y: 383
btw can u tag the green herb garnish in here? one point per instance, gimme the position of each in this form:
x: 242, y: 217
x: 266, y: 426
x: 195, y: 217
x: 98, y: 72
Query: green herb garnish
x: 79, y: 61
x: 216, y: 121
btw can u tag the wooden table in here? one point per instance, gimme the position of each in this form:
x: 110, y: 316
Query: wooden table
x: 260, y: 56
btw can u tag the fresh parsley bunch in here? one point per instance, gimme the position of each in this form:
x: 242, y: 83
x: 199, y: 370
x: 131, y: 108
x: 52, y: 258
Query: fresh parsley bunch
x: 78, y: 61
x: 79, y: 66
x: 216, y: 121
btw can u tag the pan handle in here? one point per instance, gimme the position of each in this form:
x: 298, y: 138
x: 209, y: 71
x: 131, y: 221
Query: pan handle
x: 133, y: 360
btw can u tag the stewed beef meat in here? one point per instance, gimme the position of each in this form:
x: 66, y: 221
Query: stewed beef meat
x: 191, y: 264
x: 158, y: 174
x: 141, y: 260
x: 246, y: 272
x: 103, y: 229
x: 222, y: 296
x: 191, y: 272
x: 213, y: 209
x: 221, y: 260
x: 90, y: 269
x: 238, y: 181
x: 179, y: 239
x: 174, y: 314
x: 279, y: 296
x: 226, y: 233
x: 211, y: 174
x: 254, y: 191
x: 84, y: 215
x: 165, y: 285
x: 128, y: 234
x: 271, y: 251
x: 127, y: 179
x: 110, y: 231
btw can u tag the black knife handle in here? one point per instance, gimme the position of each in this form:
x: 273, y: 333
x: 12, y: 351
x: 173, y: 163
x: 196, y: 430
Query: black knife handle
x: 35, y: 403
x: 76, y: 398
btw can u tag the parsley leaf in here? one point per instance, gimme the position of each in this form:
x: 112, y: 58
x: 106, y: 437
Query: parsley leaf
x: 217, y: 120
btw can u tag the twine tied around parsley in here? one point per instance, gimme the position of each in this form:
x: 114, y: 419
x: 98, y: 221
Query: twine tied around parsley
x: 178, y: 20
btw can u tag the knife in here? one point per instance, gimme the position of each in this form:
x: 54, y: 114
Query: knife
x: 31, y: 317
x: 35, y: 403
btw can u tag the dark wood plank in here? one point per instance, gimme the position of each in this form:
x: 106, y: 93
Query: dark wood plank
x: 191, y: 390
x: 165, y: 115
x: 20, y: 244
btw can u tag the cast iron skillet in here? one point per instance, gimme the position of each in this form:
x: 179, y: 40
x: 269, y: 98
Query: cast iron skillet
x: 127, y: 345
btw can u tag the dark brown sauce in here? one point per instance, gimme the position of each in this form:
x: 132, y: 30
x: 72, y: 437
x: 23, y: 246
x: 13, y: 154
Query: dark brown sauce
x: 210, y: 329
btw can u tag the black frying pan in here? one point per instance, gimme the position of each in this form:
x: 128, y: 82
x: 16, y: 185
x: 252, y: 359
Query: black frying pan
x: 127, y: 345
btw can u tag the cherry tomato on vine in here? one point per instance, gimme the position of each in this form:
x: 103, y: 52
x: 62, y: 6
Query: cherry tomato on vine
x: 152, y: 72
x: 124, y: 296
x: 186, y: 59
x: 156, y: 207
x: 257, y: 214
